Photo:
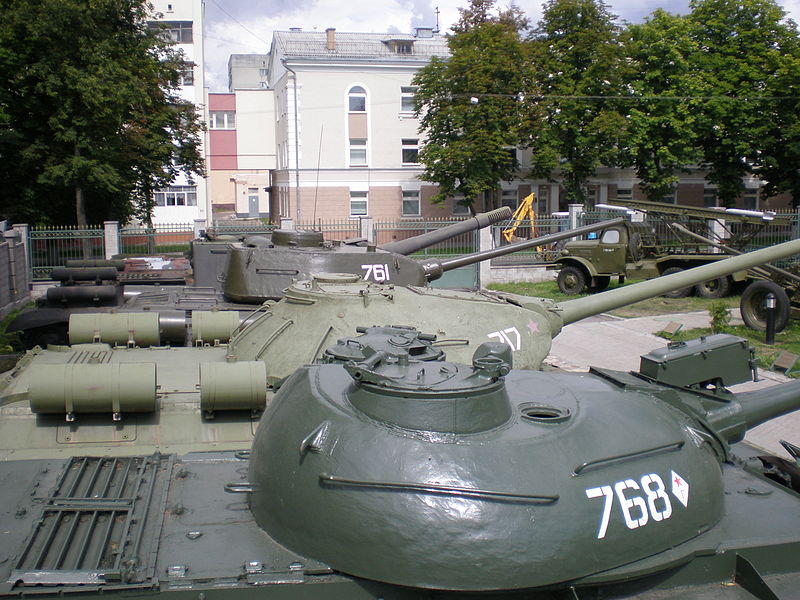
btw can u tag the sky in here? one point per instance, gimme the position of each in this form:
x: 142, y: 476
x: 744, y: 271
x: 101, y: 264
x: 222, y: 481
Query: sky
x: 246, y: 26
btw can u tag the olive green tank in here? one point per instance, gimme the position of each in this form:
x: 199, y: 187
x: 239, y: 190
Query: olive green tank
x: 388, y: 471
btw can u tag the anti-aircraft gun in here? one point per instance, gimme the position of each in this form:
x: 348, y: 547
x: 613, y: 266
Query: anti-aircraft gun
x: 390, y: 471
x: 110, y: 396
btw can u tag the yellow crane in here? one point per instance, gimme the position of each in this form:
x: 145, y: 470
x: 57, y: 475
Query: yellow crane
x: 524, y: 212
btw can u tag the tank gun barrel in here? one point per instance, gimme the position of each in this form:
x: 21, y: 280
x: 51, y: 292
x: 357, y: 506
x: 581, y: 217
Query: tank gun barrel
x: 435, y: 268
x: 418, y: 242
x: 575, y: 310
x: 750, y: 409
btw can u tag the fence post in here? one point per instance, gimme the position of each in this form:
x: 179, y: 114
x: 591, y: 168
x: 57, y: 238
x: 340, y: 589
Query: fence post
x: 485, y: 242
x: 365, y: 228
x: 717, y: 231
x: 199, y: 228
x: 575, y: 212
x: 24, y: 237
x: 287, y: 223
x: 110, y: 238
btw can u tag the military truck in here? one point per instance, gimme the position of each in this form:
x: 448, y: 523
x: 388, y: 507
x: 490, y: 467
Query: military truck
x: 630, y: 250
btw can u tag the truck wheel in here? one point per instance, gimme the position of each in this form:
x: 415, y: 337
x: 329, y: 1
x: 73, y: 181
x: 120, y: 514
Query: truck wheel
x: 600, y: 283
x: 754, y: 305
x: 571, y: 280
x: 714, y: 288
x: 681, y: 293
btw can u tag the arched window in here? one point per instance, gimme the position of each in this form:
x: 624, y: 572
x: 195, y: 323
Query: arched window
x: 357, y: 99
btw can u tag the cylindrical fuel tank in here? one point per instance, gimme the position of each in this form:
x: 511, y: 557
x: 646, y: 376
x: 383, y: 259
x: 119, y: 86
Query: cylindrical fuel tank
x: 93, y: 388
x: 84, y: 273
x: 140, y: 328
x: 118, y: 264
x: 82, y: 293
x: 211, y: 325
x: 233, y: 386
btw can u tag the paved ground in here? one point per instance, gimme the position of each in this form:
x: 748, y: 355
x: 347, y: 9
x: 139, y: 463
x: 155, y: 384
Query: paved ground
x: 616, y: 343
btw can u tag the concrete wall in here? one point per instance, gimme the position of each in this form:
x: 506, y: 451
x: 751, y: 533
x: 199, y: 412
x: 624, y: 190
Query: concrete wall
x: 14, y: 292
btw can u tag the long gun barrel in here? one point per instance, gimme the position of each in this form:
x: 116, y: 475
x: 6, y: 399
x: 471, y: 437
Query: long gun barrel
x: 435, y: 268
x: 750, y: 409
x: 418, y: 242
x: 575, y: 310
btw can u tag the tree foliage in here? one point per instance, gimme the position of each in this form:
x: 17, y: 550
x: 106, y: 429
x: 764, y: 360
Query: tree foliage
x: 90, y: 121
x: 470, y: 105
x: 717, y: 88
x: 742, y: 53
x: 661, y: 121
x: 578, y: 65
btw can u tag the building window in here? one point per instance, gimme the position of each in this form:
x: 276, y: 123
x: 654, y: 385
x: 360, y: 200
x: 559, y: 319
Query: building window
x: 177, y: 32
x: 357, y: 99
x: 410, y: 152
x: 186, y: 74
x: 624, y: 193
x: 176, y: 195
x: 358, y: 204
x: 407, y: 98
x: 410, y: 203
x: 670, y: 197
x: 709, y: 197
x: 512, y: 156
x: 222, y: 119
x: 543, y: 199
x: 750, y: 198
x: 591, y: 196
x: 458, y: 207
x: 358, y: 152
x: 509, y: 198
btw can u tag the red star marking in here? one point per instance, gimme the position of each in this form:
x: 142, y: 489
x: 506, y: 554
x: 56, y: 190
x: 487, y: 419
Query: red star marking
x: 678, y: 481
x: 533, y: 326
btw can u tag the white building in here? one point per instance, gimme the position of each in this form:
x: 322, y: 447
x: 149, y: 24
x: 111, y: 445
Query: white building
x: 346, y: 133
x: 186, y: 199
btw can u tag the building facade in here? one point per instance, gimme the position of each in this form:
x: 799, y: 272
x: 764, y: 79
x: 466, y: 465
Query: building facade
x: 186, y: 199
x: 241, y: 157
x: 248, y: 72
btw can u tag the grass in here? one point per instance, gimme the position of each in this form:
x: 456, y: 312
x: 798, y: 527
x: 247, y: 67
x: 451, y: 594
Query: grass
x: 788, y: 339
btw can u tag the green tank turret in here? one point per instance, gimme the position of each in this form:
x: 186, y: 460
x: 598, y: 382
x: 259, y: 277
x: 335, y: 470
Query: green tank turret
x: 420, y: 470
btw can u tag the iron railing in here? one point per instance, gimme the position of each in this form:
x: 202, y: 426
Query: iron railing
x: 51, y: 247
x: 158, y: 239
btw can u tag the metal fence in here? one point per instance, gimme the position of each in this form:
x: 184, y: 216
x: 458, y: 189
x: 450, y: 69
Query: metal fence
x: 395, y: 231
x: 526, y: 230
x: 52, y: 247
x: 159, y: 239
x: 335, y: 230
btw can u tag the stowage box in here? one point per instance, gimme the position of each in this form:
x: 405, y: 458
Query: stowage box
x: 718, y: 358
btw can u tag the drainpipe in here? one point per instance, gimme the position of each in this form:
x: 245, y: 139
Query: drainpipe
x: 296, y: 144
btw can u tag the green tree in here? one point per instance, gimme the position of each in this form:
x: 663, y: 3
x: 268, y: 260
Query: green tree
x: 579, y: 69
x: 745, y: 55
x: 90, y: 122
x: 470, y: 105
x: 661, y: 119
